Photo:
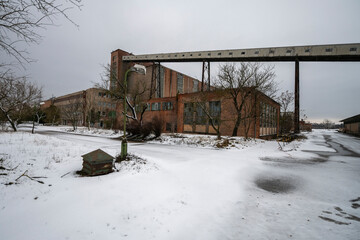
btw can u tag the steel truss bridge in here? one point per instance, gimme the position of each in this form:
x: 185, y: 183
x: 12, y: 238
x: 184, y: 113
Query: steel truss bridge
x: 311, y: 53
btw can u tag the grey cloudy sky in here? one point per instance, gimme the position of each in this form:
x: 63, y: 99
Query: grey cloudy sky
x: 70, y: 59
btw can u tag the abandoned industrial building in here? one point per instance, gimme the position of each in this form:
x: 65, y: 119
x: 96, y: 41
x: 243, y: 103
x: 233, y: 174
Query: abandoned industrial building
x: 352, y: 125
x: 182, y: 103
x: 91, y: 106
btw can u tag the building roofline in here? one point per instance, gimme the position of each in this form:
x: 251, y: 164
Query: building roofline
x: 352, y: 119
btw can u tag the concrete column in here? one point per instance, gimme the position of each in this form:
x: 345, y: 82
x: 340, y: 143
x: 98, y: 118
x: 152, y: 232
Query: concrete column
x: 208, y: 76
x: 297, y: 98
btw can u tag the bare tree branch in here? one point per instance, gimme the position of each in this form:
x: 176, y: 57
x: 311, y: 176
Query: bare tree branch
x: 20, y: 21
x: 241, y: 81
x: 16, y: 93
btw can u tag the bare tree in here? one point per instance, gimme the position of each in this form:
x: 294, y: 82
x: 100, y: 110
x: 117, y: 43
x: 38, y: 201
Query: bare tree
x: 136, y: 96
x: 241, y: 81
x: 52, y: 114
x: 328, y: 124
x: 16, y: 94
x: 37, y: 114
x: 249, y: 113
x: 89, y: 111
x: 73, y: 112
x: 20, y: 21
x: 286, y: 100
x: 207, y: 111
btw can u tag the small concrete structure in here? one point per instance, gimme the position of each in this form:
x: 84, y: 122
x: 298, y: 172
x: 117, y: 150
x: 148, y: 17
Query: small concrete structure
x: 97, y: 162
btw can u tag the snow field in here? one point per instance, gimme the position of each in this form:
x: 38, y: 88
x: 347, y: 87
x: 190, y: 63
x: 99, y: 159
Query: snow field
x: 184, y: 191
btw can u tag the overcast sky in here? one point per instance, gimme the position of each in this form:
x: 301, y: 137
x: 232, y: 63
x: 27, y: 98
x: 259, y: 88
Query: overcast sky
x: 70, y: 59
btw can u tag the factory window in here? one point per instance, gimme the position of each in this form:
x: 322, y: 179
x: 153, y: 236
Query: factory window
x: 179, y: 83
x: 209, y: 54
x: 353, y: 49
x: 328, y: 50
x: 271, y: 51
x: 268, y: 119
x: 256, y: 52
x: 167, y: 106
x: 200, y: 114
x: 230, y: 53
x: 195, y: 86
x: 219, y: 53
x: 242, y: 53
x: 199, y: 54
x: 288, y: 51
x: 307, y: 50
x: 155, y: 106
x: 188, y: 113
x: 215, y: 111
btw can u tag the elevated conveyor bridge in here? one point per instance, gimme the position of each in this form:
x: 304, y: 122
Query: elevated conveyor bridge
x: 311, y: 53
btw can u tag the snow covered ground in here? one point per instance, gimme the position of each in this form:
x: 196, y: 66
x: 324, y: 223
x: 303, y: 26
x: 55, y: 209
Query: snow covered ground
x: 186, y: 190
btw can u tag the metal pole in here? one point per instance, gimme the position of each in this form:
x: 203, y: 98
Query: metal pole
x: 124, y: 141
x: 297, y: 98
x: 208, y: 76
x: 202, y: 76
x: 152, y: 80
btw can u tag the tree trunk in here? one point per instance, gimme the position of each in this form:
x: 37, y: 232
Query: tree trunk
x: 13, y: 126
x: 236, y: 127
x: 33, y: 127
x: 12, y: 123
x: 218, y: 134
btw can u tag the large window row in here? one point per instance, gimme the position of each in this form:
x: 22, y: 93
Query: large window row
x: 107, y: 105
x: 268, y: 119
x: 164, y: 106
x: 197, y: 112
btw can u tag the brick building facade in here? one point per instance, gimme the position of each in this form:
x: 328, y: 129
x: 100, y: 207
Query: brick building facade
x: 88, y: 107
x: 182, y: 114
x: 173, y: 98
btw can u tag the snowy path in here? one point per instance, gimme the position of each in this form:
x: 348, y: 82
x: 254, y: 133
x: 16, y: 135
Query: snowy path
x: 257, y: 192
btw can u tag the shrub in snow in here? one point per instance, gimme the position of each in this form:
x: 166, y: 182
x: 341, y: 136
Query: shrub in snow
x: 157, y: 126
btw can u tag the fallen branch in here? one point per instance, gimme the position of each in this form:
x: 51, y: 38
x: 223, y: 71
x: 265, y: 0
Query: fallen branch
x: 280, y: 147
x: 8, y: 169
x: 31, y: 178
x: 65, y: 174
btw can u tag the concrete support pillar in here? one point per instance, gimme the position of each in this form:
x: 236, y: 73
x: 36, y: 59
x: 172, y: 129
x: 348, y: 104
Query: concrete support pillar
x: 202, y: 76
x: 297, y: 98
x: 208, y: 76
